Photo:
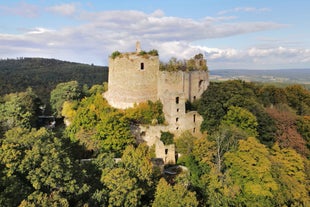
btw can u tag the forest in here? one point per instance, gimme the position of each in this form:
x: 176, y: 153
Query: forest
x: 42, y: 75
x: 254, y: 152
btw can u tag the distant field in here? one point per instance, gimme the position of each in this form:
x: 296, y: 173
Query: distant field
x: 285, y: 76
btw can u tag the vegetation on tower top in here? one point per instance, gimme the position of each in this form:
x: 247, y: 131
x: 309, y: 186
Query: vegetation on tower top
x: 153, y: 52
x: 195, y: 63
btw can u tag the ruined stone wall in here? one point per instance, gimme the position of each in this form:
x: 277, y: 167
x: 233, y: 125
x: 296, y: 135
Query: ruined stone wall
x: 132, y: 79
x: 198, y: 83
x: 189, y: 83
x: 166, y: 152
x: 174, y: 89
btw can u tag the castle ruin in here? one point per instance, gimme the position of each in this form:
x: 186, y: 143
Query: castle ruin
x: 135, y: 77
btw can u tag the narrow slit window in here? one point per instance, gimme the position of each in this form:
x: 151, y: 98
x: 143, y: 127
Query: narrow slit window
x: 177, y: 119
x: 142, y: 66
x: 177, y: 100
x: 166, y: 151
x: 194, y: 118
x: 178, y: 109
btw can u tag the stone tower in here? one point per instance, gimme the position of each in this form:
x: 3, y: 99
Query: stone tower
x: 132, y: 78
x: 135, y: 77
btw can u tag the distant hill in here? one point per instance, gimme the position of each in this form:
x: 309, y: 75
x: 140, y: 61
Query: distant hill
x: 44, y: 74
x: 289, y: 76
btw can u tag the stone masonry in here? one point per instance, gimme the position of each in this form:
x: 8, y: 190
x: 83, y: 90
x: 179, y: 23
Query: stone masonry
x: 136, y: 78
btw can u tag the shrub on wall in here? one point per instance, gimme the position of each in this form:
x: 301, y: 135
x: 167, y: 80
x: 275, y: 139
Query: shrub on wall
x: 115, y: 54
x: 166, y: 138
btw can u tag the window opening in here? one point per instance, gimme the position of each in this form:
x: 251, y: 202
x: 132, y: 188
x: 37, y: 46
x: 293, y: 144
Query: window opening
x: 166, y: 151
x: 142, y: 66
x: 177, y: 119
x: 194, y: 118
x: 177, y: 100
x: 200, y: 84
x: 178, y: 109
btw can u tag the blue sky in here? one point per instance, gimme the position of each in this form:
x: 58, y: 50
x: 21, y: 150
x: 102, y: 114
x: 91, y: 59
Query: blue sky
x: 237, y: 34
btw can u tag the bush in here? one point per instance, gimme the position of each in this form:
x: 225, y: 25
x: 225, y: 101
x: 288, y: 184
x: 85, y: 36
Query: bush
x: 166, y: 138
x: 115, y: 54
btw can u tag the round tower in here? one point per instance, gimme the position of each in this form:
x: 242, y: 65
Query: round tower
x: 132, y: 78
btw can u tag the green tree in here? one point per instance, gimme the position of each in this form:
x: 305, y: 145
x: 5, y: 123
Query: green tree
x: 146, y: 113
x: 137, y: 161
x: 185, y: 143
x: 171, y: 196
x: 288, y: 169
x: 241, y: 118
x: 271, y: 95
x: 215, y: 102
x: 40, y: 160
x: 19, y: 110
x: 299, y: 99
x: 226, y: 139
x: 250, y: 173
x: 303, y: 127
x: 166, y: 137
x: 123, y: 190
x: 113, y: 132
x: 64, y: 92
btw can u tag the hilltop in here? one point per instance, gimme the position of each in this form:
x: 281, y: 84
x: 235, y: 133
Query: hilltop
x: 44, y: 74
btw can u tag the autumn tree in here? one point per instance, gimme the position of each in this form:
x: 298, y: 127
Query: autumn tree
x: 146, y: 113
x: 137, y: 161
x: 288, y: 169
x: 171, y: 196
x: 287, y: 134
x: 122, y: 189
x: 250, y: 174
x: 303, y: 127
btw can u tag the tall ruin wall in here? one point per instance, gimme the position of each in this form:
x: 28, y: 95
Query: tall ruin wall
x: 132, y: 79
x: 190, y: 84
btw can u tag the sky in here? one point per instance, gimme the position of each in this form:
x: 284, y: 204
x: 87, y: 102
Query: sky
x: 232, y: 34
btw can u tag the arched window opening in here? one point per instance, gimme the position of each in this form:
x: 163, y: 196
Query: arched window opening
x: 200, y: 84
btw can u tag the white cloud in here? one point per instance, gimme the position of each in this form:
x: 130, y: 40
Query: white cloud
x: 21, y: 9
x: 245, y: 9
x: 64, y: 9
x: 104, y: 32
x: 39, y: 30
